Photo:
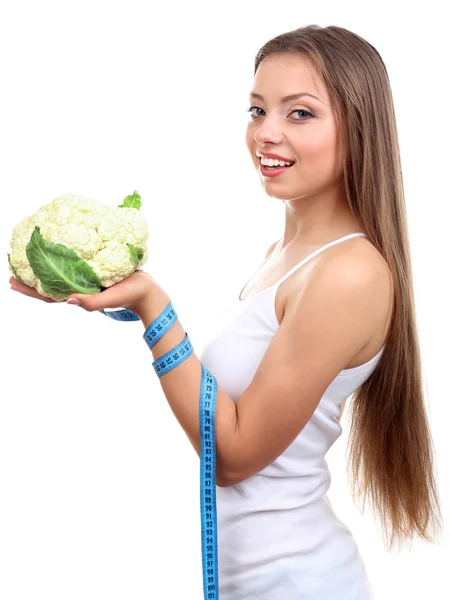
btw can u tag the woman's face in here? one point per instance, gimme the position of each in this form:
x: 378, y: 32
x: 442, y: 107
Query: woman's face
x: 302, y: 130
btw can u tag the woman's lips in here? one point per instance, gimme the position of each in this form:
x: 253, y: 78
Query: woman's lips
x: 272, y: 171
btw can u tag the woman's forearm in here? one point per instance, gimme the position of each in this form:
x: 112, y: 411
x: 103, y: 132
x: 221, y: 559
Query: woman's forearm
x: 181, y: 386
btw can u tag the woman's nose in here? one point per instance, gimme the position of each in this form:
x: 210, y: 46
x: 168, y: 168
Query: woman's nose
x: 268, y: 132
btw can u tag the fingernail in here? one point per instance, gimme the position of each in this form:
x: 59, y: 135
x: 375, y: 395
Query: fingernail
x: 73, y: 301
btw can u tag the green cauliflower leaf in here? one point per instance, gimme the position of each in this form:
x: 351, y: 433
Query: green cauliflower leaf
x: 61, y: 271
x: 136, y: 254
x: 132, y: 201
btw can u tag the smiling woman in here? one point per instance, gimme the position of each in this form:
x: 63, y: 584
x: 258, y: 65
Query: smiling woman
x: 328, y: 316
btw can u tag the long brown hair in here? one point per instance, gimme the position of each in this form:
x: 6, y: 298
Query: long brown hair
x: 391, y: 449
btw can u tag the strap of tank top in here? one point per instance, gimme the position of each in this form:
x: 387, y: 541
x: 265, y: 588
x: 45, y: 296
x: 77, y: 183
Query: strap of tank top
x: 302, y: 262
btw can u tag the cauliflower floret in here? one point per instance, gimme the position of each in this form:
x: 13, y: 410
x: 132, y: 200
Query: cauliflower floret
x: 113, y: 263
x: 97, y: 233
x: 134, y: 227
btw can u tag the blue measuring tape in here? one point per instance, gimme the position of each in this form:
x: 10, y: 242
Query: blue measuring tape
x: 208, y: 395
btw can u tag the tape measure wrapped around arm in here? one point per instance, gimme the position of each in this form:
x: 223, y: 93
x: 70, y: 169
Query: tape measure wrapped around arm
x: 207, y: 406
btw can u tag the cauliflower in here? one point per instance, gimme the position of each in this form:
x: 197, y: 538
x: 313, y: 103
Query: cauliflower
x: 78, y: 245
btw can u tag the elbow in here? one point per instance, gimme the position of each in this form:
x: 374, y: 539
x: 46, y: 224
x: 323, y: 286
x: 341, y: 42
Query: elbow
x: 221, y: 483
x: 228, y: 478
x: 224, y: 482
x: 223, y: 478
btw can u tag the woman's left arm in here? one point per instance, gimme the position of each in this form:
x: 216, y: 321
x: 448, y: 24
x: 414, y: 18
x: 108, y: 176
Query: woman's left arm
x: 181, y: 385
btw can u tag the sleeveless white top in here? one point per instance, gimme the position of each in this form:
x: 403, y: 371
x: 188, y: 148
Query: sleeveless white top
x: 278, y: 535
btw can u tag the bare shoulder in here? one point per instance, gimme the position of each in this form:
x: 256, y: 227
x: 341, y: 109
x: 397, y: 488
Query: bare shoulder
x: 270, y: 249
x: 355, y: 264
x: 361, y: 260
x: 359, y: 254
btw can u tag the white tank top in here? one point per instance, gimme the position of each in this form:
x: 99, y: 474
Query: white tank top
x: 278, y: 535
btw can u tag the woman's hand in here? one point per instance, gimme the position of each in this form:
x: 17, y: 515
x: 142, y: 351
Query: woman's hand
x: 132, y: 293
x: 16, y: 286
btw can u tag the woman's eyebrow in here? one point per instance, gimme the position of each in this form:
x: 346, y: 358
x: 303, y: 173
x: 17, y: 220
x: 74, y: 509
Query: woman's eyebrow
x: 288, y: 98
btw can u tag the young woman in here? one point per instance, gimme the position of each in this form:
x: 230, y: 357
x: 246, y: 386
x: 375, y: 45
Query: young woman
x: 328, y: 316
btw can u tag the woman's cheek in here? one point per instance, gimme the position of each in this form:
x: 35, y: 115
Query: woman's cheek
x: 249, y: 138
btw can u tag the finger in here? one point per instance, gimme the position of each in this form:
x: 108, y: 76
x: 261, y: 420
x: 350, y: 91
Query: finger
x: 113, y: 297
x: 16, y: 286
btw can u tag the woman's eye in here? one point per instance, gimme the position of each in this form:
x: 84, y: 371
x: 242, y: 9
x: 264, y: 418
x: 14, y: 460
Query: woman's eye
x: 301, y: 110
x: 254, y: 108
x: 298, y: 110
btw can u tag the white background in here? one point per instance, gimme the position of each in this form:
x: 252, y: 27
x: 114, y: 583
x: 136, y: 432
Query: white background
x: 99, y: 486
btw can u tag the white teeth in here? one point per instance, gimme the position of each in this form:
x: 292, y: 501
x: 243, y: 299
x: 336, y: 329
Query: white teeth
x: 274, y: 162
